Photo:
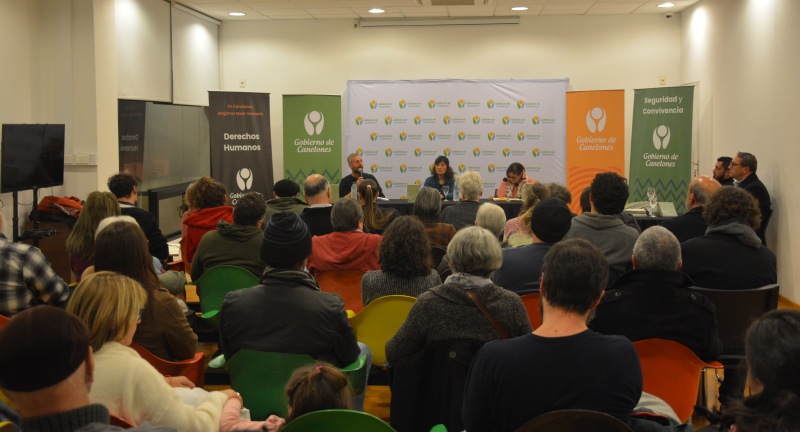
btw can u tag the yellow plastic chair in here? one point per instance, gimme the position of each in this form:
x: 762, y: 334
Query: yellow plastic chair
x: 379, y: 321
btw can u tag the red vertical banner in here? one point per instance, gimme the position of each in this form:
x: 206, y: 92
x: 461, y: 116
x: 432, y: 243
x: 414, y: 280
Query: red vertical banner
x: 595, y: 138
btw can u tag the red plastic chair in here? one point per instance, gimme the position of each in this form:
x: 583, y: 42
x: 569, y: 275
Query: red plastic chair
x: 671, y: 371
x: 4, y: 320
x: 531, y: 302
x: 345, y: 283
x: 118, y: 421
x: 193, y: 368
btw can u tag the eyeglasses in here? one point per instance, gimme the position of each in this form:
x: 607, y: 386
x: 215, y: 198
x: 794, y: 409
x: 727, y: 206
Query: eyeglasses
x: 735, y: 164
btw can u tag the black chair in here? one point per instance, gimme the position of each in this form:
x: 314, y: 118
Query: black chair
x: 575, y: 420
x: 443, y: 275
x: 437, y: 254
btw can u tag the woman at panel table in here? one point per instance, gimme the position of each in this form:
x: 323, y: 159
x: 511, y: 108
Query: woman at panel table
x: 514, y: 182
x: 442, y: 175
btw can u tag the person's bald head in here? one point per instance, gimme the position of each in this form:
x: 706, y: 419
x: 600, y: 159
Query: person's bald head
x: 317, y: 190
x: 700, y: 188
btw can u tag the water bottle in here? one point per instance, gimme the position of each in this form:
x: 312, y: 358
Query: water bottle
x: 354, y: 191
x: 455, y: 191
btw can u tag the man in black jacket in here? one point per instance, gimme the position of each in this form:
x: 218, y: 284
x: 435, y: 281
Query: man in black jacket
x: 125, y: 187
x: 743, y: 171
x: 691, y: 224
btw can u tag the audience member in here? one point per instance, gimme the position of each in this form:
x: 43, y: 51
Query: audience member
x: 356, y: 176
x: 573, y: 367
x: 652, y: 300
x: 517, y: 231
x: 441, y: 175
x: 586, y: 205
x: 515, y: 182
x: 522, y: 267
x: 317, y: 215
x: 237, y: 244
x: 347, y: 247
x: 376, y: 220
x: 427, y: 207
x: 602, y: 226
x: 284, y: 194
x: 27, y: 278
x: 743, y: 171
x: 80, y: 241
x: 125, y: 186
x: 316, y: 388
x: 492, y: 217
x: 722, y: 171
x: 49, y: 372
x: 560, y: 191
x: 207, y: 197
x: 405, y: 263
x: 463, y: 214
x: 121, y: 247
x: 691, y: 224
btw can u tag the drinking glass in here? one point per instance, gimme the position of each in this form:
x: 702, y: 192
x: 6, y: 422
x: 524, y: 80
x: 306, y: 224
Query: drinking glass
x: 652, y: 198
x: 445, y: 191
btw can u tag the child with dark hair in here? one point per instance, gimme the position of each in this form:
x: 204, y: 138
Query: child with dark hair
x: 318, y: 387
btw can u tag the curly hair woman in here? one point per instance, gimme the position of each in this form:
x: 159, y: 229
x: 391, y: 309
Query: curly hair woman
x: 207, y: 198
x: 405, y: 257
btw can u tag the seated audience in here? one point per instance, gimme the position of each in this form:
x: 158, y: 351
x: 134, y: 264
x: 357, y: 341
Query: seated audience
x: 237, y: 244
x: 560, y: 191
x: 347, y: 247
x: 427, y: 207
x: 743, y: 171
x: 517, y: 231
x: 515, y: 182
x: 691, y: 224
x: 463, y: 214
x: 376, y: 220
x: 316, y: 388
x: 50, y: 371
x: 562, y: 364
x: 317, y: 216
x: 125, y: 187
x: 405, y: 263
x: 652, y: 300
x: 121, y: 247
x: 722, y: 171
x: 80, y: 241
x: 111, y: 306
x: 447, y: 312
x: 602, y: 226
x: 522, y: 267
x: 28, y: 279
x: 207, y: 198
x: 284, y: 194
x: 491, y: 217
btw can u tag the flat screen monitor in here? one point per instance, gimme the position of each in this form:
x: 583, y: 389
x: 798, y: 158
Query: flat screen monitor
x: 32, y: 156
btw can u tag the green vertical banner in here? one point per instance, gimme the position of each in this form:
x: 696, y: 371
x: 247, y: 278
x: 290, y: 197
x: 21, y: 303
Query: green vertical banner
x: 661, y: 144
x: 312, y: 137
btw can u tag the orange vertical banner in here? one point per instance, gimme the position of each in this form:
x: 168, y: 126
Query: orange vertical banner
x: 595, y: 138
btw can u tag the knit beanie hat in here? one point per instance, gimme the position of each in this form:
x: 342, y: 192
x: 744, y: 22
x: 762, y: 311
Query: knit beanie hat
x: 41, y: 347
x: 287, y: 240
x: 550, y: 220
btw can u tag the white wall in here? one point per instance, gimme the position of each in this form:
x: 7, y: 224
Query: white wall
x: 319, y: 56
x: 744, y: 54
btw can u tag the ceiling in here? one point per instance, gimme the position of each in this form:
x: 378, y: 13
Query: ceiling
x: 354, y: 9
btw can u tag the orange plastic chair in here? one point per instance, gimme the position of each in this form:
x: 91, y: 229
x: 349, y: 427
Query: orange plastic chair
x: 671, y: 371
x: 193, y: 368
x: 345, y: 283
x: 531, y: 302
x: 118, y: 421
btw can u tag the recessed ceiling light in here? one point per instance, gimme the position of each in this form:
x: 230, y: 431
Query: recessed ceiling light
x: 376, y: 10
x: 237, y: 14
x: 519, y: 8
x: 666, y: 5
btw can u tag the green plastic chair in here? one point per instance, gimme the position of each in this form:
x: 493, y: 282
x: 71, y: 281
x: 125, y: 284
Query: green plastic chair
x: 337, y: 421
x: 215, y: 283
x: 379, y: 321
x: 261, y: 377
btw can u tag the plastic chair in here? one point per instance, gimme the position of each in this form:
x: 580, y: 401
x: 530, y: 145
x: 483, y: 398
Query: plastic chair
x: 337, y: 421
x: 4, y: 320
x: 379, y: 321
x: 574, y: 420
x: 345, y: 283
x: 532, y: 304
x: 437, y: 254
x: 671, y: 371
x: 115, y: 420
x: 215, y: 283
x: 193, y: 368
x: 261, y: 377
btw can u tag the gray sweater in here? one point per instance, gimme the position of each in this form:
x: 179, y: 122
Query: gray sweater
x: 614, y: 239
x: 378, y: 283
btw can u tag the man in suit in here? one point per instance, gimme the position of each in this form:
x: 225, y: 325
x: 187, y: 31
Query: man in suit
x: 691, y: 224
x: 743, y: 171
x: 125, y: 187
x: 317, y: 215
x: 722, y: 171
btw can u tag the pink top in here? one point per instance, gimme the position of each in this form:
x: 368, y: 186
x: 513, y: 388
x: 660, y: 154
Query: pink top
x: 230, y: 420
x: 506, y: 189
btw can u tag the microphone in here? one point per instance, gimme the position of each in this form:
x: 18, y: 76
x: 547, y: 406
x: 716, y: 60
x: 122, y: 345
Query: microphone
x: 361, y: 172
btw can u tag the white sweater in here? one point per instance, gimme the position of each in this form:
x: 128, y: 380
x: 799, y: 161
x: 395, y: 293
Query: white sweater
x: 133, y: 389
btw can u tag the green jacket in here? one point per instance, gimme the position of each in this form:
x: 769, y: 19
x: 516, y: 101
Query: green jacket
x: 290, y: 204
x: 230, y: 244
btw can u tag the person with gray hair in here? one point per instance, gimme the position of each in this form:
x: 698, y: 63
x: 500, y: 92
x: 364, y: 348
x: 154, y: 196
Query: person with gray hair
x: 652, y: 300
x: 493, y: 218
x: 463, y: 214
x: 691, y: 224
x: 743, y: 171
x: 348, y: 247
x: 317, y: 216
x: 446, y: 312
x: 357, y: 175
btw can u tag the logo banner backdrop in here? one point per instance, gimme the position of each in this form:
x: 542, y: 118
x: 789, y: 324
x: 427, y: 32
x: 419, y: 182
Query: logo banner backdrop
x: 131, y: 136
x: 595, y: 138
x: 400, y: 127
x: 241, y: 145
x: 661, y: 144
x: 312, y: 137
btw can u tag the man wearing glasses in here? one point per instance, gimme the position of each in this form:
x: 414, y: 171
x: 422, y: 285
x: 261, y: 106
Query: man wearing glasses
x: 743, y: 172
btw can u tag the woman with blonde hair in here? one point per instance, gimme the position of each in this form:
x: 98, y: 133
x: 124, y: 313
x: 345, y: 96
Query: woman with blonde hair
x: 376, y: 220
x: 517, y: 231
x: 111, y: 305
x: 80, y: 241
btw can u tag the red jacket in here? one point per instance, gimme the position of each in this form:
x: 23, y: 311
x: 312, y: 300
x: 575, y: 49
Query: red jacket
x: 198, y: 223
x: 344, y: 250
